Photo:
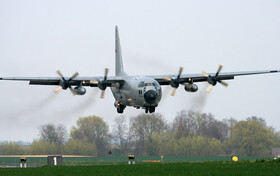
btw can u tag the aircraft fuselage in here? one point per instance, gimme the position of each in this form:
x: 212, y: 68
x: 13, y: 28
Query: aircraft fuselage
x: 139, y: 92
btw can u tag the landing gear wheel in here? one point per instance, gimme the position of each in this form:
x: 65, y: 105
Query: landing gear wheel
x: 152, y: 109
x: 120, y: 108
x: 146, y: 109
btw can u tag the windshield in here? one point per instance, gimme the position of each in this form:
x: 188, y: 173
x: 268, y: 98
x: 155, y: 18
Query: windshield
x: 148, y: 84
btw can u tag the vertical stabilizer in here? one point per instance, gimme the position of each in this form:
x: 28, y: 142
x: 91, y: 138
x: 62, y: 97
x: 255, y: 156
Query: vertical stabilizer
x: 118, y: 52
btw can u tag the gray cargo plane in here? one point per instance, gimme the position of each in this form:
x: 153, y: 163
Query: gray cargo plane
x: 136, y: 91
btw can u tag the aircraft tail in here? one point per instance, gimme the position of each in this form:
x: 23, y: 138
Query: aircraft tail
x: 118, y: 54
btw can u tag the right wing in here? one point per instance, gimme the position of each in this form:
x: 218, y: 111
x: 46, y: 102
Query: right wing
x: 79, y: 81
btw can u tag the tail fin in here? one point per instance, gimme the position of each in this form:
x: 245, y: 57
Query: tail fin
x: 118, y: 53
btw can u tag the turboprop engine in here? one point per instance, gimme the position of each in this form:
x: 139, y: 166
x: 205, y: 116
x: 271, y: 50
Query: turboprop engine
x: 80, y: 90
x: 191, y: 87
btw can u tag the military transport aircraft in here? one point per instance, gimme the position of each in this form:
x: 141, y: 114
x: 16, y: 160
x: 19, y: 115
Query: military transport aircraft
x: 137, y: 91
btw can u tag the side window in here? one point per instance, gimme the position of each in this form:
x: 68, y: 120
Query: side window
x: 140, y: 92
x: 141, y: 84
x: 154, y: 84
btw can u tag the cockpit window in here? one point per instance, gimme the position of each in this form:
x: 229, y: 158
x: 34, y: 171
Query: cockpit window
x: 148, y: 84
x: 141, y: 84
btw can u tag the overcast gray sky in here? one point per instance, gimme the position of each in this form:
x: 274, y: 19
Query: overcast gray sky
x: 157, y: 37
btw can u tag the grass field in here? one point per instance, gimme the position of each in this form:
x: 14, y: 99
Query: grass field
x: 182, y: 168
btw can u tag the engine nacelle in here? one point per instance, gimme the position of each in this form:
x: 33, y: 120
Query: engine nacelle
x: 80, y: 90
x: 191, y: 87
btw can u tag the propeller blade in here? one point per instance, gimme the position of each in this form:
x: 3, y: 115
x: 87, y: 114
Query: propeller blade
x: 166, y: 78
x: 204, y: 73
x: 56, y: 90
x: 102, y: 94
x: 180, y: 72
x: 173, y: 91
x: 223, y: 83
x: 106, y: 73
x: 60, y: 75
x: 74, y: 76
x: 219, y: 70
x: 212, y: 80
x: 208, y: 90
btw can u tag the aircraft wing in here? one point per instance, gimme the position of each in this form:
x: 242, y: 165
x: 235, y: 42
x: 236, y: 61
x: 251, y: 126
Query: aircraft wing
x: 79, y: 81
x: 189, y: 78
x: 111, y: 80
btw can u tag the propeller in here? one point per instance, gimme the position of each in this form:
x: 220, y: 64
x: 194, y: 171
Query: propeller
x: 212, y: 80
x: 65, y: 83
x: 174, y: 82
x: 102, y: 84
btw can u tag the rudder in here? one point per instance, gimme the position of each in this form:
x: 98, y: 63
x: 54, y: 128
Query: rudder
x: 119, y: 71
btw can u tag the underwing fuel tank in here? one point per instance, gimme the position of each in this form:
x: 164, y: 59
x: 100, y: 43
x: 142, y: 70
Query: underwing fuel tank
x: 191, y: 87
x: 80, y: 90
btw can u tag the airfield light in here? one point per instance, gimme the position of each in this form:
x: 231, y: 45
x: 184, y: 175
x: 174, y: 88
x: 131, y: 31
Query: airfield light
x: 131, y: 159
x: 23, y: 162
x: 234, y: 158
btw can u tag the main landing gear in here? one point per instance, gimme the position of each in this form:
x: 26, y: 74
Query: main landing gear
x: 120, y: 108
x: 150, y: 109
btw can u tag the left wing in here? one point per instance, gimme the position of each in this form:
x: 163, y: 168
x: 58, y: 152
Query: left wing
x: 190, y: 78
x: 212, y: 78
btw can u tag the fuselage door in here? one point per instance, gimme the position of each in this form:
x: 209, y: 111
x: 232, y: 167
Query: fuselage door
x: 141, y: 89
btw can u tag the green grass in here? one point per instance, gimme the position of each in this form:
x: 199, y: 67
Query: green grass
x: 187, y: 168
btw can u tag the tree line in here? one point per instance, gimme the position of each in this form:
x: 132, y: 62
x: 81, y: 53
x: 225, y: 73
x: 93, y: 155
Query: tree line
x: 189, y: 134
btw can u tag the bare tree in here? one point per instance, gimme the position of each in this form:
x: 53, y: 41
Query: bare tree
x: 184, y: 124
x: 53, y: 134
x: 230, y: 123
x: 62, y: 134
x: 120, y: 130
x: 189, y: 124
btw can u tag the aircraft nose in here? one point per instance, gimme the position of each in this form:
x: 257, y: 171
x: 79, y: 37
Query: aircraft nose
x: 150, y: 96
